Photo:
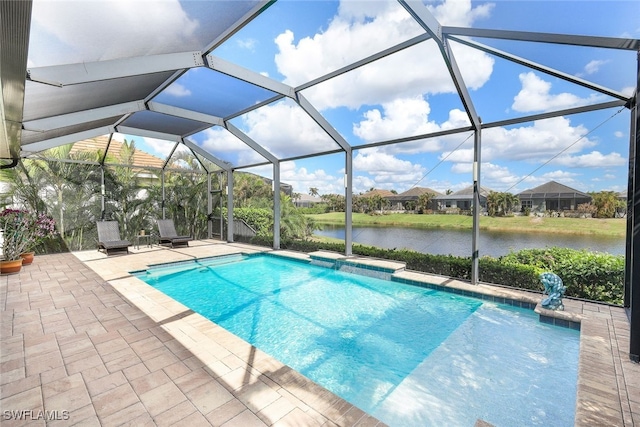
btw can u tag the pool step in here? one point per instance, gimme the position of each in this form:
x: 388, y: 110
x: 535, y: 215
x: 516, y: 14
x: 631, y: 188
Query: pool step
x: 371, y: 267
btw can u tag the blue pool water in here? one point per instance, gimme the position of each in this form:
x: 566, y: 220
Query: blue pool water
x: 408, y: 355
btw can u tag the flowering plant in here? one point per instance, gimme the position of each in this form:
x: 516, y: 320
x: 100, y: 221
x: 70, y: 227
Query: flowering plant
x: 22, y: 230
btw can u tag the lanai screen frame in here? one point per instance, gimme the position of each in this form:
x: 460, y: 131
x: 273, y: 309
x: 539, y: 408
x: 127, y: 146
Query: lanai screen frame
x: 15, y: 18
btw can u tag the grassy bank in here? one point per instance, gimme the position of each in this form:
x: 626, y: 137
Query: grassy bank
x: 600, y: 227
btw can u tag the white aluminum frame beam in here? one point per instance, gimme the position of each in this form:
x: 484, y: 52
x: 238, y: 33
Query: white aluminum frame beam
x: 251, y: 143
x: 204, y: 153
x: 372, y: 58
x: 322, y: 122
x: 534, y: 65
x: 149, y: 133
x: 276, y: 205
x: 71, y: 119
x: 477, y: 206
x: 184, y: 113
x: 71, y: 74
x: 551, y: 114
x: 237, y: 26
x: 348, y: 203
x: 229, y: 206
x: 35, y: 147
x: 421, y: 14
x: 568, y: 39
x: 15, y: 26
x: 249, y: 76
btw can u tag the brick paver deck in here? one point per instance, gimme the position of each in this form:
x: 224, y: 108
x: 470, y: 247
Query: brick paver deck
x: 85, y: 343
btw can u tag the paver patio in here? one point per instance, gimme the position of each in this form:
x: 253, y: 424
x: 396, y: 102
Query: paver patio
x: 85, y: 343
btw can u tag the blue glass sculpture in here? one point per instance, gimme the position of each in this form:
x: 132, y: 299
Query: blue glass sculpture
x: 554, y: 288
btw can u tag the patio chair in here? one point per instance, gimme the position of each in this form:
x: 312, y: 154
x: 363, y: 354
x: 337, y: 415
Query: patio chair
x: 109, y: 239
x: 168, y: 234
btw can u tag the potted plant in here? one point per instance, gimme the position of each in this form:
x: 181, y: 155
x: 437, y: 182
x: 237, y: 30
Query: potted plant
x: 21, y: 232
x: 42, y: 227
x: 15, y: 225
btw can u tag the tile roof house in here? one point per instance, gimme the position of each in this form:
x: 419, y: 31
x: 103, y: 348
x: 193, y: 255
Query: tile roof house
x: 462, y: 199
x: 383, y: 193
x: 552, y: 196
x: 399, y: 201
x: 99, y: 144
x: 306, y: 200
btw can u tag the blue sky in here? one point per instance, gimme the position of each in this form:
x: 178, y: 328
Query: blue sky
x: 410, y: 93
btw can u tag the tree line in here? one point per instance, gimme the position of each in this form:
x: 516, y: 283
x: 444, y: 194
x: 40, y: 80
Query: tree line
x: 67, y: 185
x: 604, y: 204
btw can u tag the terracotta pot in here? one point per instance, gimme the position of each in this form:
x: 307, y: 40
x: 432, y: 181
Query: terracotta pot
x: 27, y: 257
x: 10, y: 267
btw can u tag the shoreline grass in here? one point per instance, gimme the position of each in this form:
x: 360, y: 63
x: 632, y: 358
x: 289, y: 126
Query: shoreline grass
x: 606, y: 227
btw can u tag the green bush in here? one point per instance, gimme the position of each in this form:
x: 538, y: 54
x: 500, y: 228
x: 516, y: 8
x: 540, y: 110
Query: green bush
x: 259, y: 219
x: 511, y: 274
x: 588, y: 275
x: 317, y: 208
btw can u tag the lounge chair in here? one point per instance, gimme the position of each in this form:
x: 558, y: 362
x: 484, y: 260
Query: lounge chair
x: 109, y: 237
x: 168, y: 234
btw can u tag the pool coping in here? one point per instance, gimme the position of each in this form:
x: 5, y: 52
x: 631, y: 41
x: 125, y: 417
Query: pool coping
x: 607, y: 389
x: 602, y: 397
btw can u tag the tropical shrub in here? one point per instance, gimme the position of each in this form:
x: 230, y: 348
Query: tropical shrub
x: 587, y: 275
x: 260, y: 219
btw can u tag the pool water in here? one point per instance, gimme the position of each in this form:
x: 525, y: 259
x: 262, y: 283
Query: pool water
x: 408, y: 355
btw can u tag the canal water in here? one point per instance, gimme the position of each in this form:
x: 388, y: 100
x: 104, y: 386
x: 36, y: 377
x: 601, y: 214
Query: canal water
x: 458, y: 242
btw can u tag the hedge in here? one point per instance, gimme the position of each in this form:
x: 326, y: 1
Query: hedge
x: 587, y: 275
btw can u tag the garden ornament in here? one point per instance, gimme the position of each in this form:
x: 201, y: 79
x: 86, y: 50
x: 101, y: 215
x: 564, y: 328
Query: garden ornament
x: 554, y: 288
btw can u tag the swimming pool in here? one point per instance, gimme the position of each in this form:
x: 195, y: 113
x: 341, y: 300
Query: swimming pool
x: 408, y: 355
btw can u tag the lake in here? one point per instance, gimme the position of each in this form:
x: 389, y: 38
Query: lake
x: 458, y: 242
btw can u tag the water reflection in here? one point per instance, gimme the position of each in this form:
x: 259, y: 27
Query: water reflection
x: 458, y: 242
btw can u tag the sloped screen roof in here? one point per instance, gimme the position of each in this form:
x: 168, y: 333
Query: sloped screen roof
x: 101, y: 67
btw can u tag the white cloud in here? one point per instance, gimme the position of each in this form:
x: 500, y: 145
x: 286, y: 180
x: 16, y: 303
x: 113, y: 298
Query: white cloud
x: 535, y: 146
x: 408, y: 117
x: 535, y: 96
x: 248, y: 44
x: 459, y: 13
x: 362, y: 184
x: 177, y: 90
x: 567, y: 178
x: 387, y: 171
x: 537, y: 143
x: 218, y: 141
x: 286, y: 130
x: 618, y: 134
x: 302, y: 179
x: 161, y: 148
x: 157, y: 147
x: 595, y: 159
x: 102, y: 30
x: 351, y: 36
x: 358, y: 30
x: 594, y: 66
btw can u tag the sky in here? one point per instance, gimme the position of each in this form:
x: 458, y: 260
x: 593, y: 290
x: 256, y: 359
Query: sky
x: 405, y: 94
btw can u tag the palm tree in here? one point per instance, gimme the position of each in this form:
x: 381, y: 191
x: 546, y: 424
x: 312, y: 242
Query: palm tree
x: 501, y: 203
x: 69, y: 189
x: 129, y: 202
x: 250, y: 190
x: 493, y: 203
x: 424, y: 200
x: 186, y: 196
x: 313, y: 191
x: 293, y: 224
